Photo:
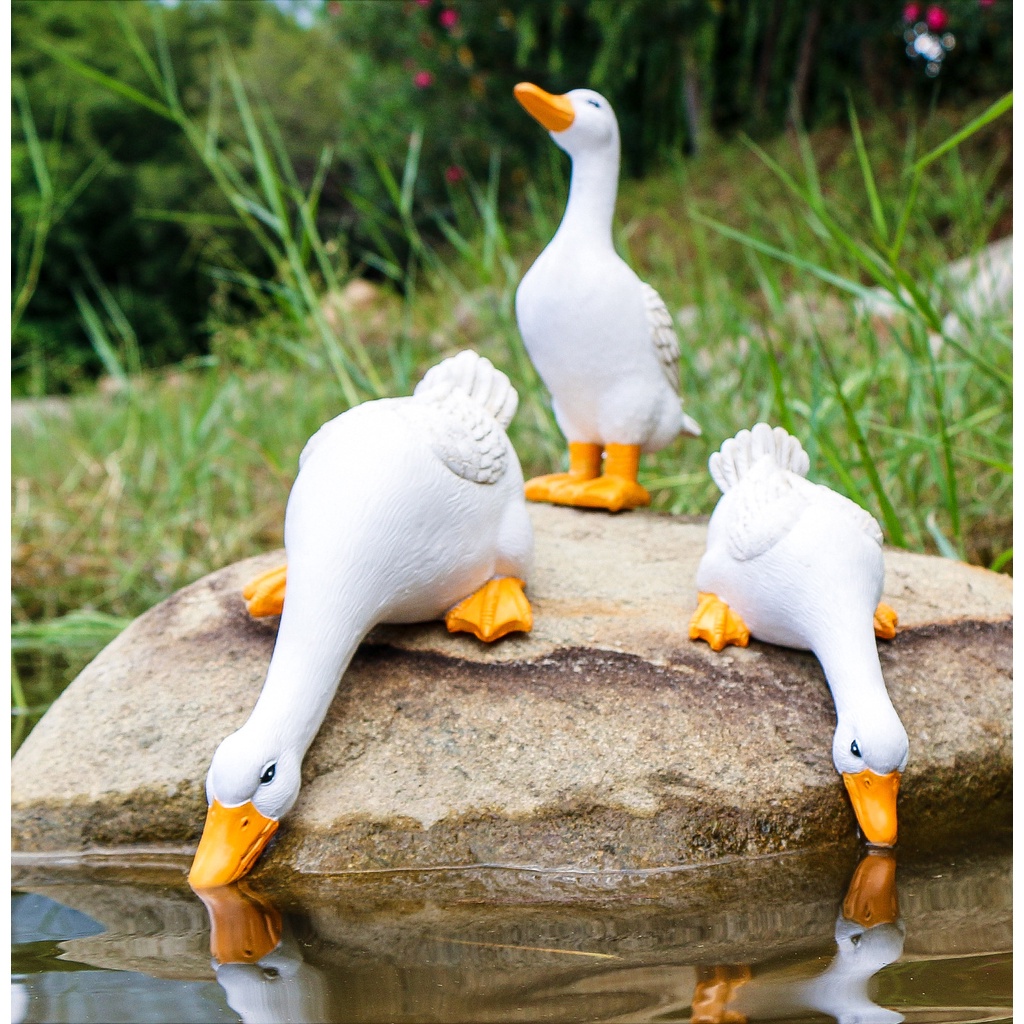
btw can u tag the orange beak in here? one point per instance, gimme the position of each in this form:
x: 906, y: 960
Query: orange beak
x: 233, y: 838
x: 871, y: 897
x: 874, y: 802
x: 243, y: 927
x: 554, y: 112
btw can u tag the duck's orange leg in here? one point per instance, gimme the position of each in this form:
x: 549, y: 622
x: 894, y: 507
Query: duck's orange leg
x: 717, y: 623
x: 585, y: 487
x: 264, y: 595
x: 497, y: 608
x: 584, y: 464
x: 885, y: 622
x: 617, y: 488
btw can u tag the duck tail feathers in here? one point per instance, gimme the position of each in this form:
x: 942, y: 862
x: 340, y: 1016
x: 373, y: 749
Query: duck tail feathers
x: 733, y: 461
x: 478, y: 378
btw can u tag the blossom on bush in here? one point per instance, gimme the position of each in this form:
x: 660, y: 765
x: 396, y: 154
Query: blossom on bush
x: 911, y: 13
x: 448, y: 18
x: 936, y: 18
x: 423, y: 79
x: 453, y: 174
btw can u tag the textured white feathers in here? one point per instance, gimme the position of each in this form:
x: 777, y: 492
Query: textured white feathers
x: 666, y: 344
x: 663, y: 334
x: 738, y: 454
x: 477, y: 378
x: 463, y: 405
x: 460, y: 408
x: 766, y: 469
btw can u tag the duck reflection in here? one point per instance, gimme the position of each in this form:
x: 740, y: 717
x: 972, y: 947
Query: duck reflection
x: 869, y: 936
x: 258, y: 963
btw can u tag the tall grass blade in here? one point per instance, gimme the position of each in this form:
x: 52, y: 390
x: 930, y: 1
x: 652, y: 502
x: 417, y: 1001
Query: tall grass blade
x: 875, y: 203
x: 889, y: 517
x: 107, y: 81
x: 986, y: 117
x: 99, y: 339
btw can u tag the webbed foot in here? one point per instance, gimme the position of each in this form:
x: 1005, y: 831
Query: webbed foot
x: 583, y: 487
x: 885, y: 622
x: 264, y: 595
x: 556, y: 488
x: 497, y: 608
x: 717, y: 623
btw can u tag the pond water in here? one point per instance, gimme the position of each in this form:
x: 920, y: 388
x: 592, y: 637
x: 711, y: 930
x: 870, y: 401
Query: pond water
x: 846, y: 935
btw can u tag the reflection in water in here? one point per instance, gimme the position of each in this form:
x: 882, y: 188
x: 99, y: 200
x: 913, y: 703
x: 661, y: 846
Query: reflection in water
x: 266, y: 979
x: 258, y: 963
x: 766, y: 941
x: 870, y: 936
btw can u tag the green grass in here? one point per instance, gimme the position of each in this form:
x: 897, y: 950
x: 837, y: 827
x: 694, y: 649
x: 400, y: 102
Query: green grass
x: 131, y: 497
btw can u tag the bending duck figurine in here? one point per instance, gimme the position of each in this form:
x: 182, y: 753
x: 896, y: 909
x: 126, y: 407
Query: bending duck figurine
x: 403, y: 510
x: 600, y: 338
x: 796, y: 564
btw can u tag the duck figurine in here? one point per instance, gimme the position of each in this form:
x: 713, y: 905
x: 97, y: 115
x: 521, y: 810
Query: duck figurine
x: 794, y: 563
x: 403, y: 510
x: 869, y: 936
x: 600, y: 338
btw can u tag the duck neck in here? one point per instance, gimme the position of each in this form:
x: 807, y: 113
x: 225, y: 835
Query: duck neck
x: 849, y: 659
x: 303, y: 676
x: 592, y: 191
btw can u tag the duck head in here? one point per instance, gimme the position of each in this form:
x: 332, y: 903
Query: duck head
x: 579, y: 121
x: 871, y: 754
x: 252, y: 783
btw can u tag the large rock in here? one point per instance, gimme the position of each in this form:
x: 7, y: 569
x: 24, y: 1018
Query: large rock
x: 603, y: 740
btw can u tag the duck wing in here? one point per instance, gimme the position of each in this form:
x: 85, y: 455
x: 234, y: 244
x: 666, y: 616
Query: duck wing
x: 663, y: 334
x: 769, y: 502
x: 765, y: 506
x: 461, y: 433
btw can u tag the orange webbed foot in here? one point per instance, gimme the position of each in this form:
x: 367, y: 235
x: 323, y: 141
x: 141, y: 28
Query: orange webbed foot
x: 264, y: 595
x: 885, y: 622
x: 717, y: 623
x: 497, y: 608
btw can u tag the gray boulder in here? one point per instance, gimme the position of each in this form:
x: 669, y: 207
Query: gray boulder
x: 604, y: 740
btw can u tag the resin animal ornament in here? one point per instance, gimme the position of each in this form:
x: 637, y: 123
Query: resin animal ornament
x: 794, y: 563
x: 403, y: 510
x: 600, y: 338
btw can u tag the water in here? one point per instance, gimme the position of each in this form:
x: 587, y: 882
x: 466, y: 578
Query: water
x: 793, y: 938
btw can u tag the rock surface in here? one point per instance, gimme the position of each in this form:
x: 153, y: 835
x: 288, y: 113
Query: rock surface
x: 605, y: 740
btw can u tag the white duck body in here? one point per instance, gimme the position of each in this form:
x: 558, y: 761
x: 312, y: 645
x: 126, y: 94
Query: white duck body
x: 600, y: 338
x: 401, y: 509
x: 802, y: 566
x: 408, y: 545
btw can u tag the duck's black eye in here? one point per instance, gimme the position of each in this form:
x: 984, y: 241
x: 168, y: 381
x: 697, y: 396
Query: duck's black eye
x: 854, y: 749
x: 594, y: 103
x: 268, y: 774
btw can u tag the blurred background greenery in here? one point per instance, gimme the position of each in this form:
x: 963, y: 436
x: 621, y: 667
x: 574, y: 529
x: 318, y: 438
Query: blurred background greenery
x: 134, y: 207
x: 233, y: 219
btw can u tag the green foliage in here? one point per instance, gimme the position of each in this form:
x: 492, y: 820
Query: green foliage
x: 101, y: 178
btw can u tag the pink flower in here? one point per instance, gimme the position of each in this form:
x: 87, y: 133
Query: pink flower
x: 986, y: 3
x: 448, y: 18
x: 423, y: 3
x: 423, y: 79
x: 911, y: 13
x: 453, y: 174
x: 936, y: 18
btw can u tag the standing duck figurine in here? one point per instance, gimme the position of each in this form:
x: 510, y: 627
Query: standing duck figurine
x: 601, y: 340
x: 403, y: 510
x: 796, y: 564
